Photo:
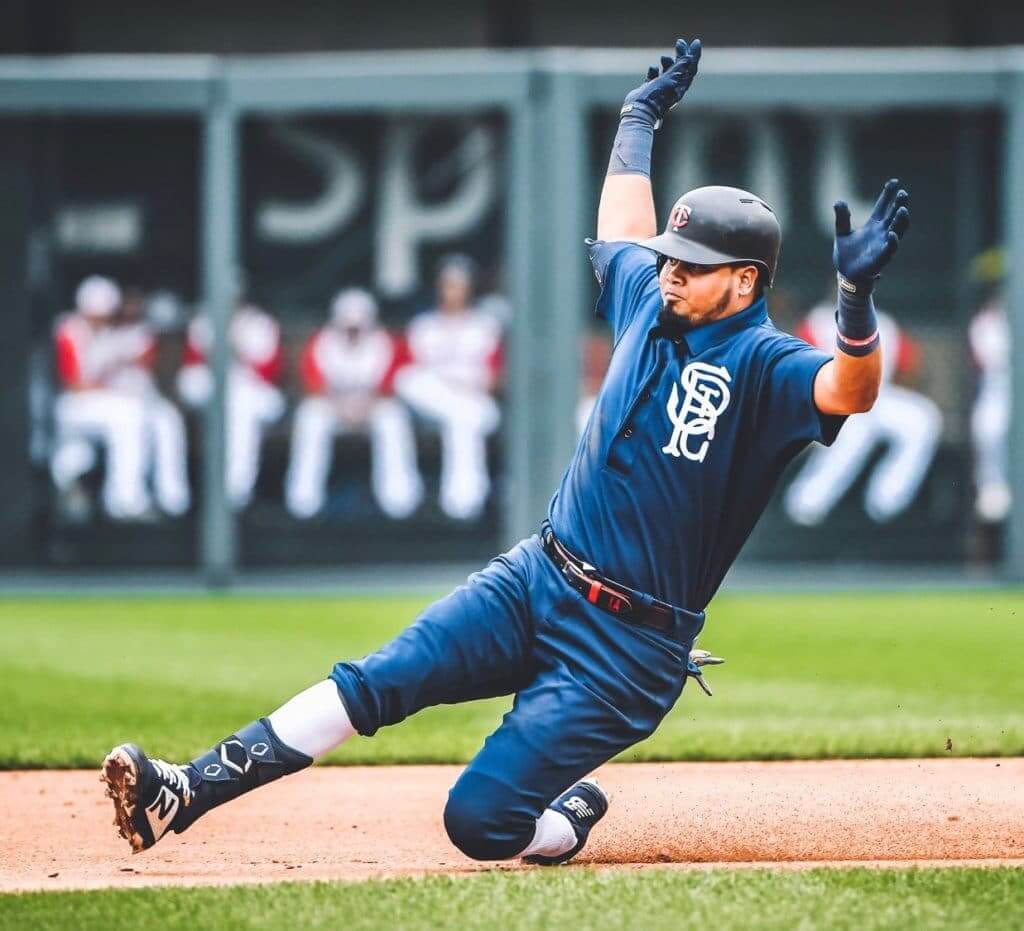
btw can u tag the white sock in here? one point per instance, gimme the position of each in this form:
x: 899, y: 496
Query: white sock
x: 553, y: 837
x: 314, y: 721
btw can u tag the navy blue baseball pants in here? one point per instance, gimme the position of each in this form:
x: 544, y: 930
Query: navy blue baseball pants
x: 587, y: 686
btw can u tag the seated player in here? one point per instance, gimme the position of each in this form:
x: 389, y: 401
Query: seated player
x: 591, y: 623
x: 456, y: 354
x: 165, y: 428
x: 346, y: 371
x: 990, y: 342
x: 253, y: 399
x: 91, y: 410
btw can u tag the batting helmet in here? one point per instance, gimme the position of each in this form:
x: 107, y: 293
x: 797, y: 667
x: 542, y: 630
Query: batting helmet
x: 354, y: 308
x: 98, y: 297
x: 721, y: 226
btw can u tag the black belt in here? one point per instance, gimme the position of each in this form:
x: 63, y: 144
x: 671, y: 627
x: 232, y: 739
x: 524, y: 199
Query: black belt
x: 616, y: 599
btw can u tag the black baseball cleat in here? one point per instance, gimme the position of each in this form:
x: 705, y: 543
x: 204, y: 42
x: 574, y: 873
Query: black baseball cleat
x: 147, y: 794
x: 584, y: 805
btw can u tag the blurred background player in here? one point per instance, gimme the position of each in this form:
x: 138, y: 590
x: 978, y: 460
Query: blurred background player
x: 165, y: 444
x: 346, y: 372
x: 906, y: 421
x: 989, y: 339
x: 90, y: 410
x: 455, y: 354
x: 253, y: 399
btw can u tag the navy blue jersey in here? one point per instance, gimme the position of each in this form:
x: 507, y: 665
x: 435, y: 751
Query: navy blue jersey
x: 687, y: 439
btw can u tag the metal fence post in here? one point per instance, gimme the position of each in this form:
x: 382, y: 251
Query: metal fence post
x: 523, y: 289
x: 220, y: 168
x: 550, y: 168
x: 1013, y: 213
x: 567, y: 179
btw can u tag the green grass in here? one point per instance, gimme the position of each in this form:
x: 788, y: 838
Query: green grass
x: 807, y: 676
x: 861, y: 899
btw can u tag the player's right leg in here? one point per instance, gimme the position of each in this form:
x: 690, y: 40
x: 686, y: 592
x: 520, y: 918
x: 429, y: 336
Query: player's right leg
x: 170, y: 473
x: 475, y: 643
x: 395, y: 475
x: 118, y: 422
x: 305, y: 485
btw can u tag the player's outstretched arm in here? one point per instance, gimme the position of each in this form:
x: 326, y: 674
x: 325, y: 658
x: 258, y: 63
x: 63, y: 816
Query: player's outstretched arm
x: 626, y: 210
x: 849, y: 383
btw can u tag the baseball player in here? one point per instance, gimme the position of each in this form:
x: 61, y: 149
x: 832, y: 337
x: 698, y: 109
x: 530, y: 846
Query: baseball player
x: 905, y: 421
x: 989, y: 338
x: 455, y: 352
x: 253, y: 399
x: 346, y: 368
x: 591, y: 622
x: 165, y: 427
x: 91, y: 410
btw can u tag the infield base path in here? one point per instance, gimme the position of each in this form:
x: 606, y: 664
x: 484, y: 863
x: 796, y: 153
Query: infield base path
x: 361, y: 822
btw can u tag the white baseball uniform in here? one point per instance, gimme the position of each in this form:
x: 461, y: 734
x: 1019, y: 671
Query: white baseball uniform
x: 165, y: 447
x: 346, y: 377
x: 989, y: 337
x: 90, y: 411
x: 455, y: 360
x: 253, y: 400
x: 906, y: 421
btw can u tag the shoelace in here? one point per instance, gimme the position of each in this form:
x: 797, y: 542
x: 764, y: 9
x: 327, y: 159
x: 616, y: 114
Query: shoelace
x: 175, y: 776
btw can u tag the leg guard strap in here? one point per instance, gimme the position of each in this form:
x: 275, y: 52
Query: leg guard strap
x: 249, y: 758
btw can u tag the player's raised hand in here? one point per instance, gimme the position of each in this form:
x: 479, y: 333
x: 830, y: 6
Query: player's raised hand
x: 860, y: 255
x: 664, y: 88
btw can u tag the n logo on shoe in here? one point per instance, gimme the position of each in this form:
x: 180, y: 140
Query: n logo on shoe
x: 579, y: 807
x: 161, y: 812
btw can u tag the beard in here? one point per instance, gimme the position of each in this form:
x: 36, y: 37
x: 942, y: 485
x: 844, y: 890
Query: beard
x: 675, y: 325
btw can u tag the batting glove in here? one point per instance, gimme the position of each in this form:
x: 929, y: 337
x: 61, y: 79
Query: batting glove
x: 663, y: 89
x: 860, y: 255
x: 700, y: 658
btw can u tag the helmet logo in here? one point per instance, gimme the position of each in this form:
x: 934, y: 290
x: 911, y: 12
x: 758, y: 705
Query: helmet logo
x: 679, y: 217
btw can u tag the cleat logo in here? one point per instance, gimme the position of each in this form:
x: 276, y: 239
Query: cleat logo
x: 161, y: 812
x: 262, y: 748
x: 579, y: 807
x: 705, y: 396
x: 233, y: 756
x: 212, y: 769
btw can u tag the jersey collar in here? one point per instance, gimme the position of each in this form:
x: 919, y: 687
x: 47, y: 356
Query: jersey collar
x: 711, y: 334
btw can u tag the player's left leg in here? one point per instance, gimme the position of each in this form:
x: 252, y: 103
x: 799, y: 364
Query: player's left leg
x: 465, y: 482
x: 604, y: 685
x: 990, y: 428
x: 252, y: 405
x: 170, y: 478
x: 397, y: 484
x: 309, y: 462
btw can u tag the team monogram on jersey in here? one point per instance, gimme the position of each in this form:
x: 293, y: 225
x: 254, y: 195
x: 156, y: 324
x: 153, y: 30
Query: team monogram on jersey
x: 694, y: 417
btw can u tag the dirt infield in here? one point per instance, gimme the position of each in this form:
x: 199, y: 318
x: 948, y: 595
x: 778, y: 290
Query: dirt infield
x: 359, y: 822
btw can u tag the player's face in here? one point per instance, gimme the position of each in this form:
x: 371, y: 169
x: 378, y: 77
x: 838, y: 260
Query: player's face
x: 453, y: 290
x: 702, y: 293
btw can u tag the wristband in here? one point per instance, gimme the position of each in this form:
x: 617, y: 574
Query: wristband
x: 856, y: 321
x: 858, y: 347
x: 631, y: 151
